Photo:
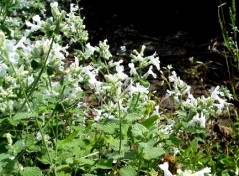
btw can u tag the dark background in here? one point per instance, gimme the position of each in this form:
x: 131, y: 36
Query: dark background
x: 199, y: 17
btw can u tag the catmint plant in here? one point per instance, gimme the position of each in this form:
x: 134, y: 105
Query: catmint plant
x: 68, y: 110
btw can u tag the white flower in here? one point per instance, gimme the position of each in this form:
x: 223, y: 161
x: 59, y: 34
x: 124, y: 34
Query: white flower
x: 9, y: 139
x: 167, y: 129
x: 173, y: 77
x: 30, y: 79
x: 112, y: 63
x: 21, y: 44
x: 12, y: 157
x: 89, y: 50
x: 137, y: 89
x: 184, y: 173
x: 122, y: 108
x: 156, y: 110
x: 35, y: 25
x: 38, y: 136
x: 191, y: 100
x: 132, y: 69
x: 37, y: 19
x: 97, y: 114
x: 3, y: 69
x: 109, y: 116
x: 164, y: 167
x: 150, y: 72
x: 121, y: 75
x: 73, y: 7
x: 217, y: 94
x: 206, y: 170
x: 198, y: 119
x: 123, y: 48
x: 14, y: 58
x: 237, y: 171
x: 21, y: 168
x: 95, y: 84
x: 169, y: 67
x: 138, y: 58
x: 54, y: 4
x: 155, y: 61
x: 190, y: 173
x: 175, y: 151
x: 103, y: 50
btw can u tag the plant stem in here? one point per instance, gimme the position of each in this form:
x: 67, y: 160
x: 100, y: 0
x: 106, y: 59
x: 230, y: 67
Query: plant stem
x: 120, y: 127
x: 140, y: 161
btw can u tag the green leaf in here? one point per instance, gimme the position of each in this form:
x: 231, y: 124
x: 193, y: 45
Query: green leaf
x: 150, y: 121
x: 173, y: 140
x: 31, y: 171
x: 63, y: 174
x: 4, y: 156
x: 104, y: 164
x: 139, y: 130
x: 64, y: 170
x: 18, y: 146
x: 131, y: 155
x: 70, y: 137
x: 31, y: 144
x: 9, y: 166
x: 109, y: 128
x: 225, y: 173
x: 153, y: 173
x: 5, y: 29
x: 128, y: 171
x: 194, y: 144
x: 21, y: 117
x: 44, y: 159
x: 114, y: 143
x: 152, y: 153
x: 229, y: 161
x: 85, y: 162
x: 133, y: 117
x: 144, y: 82
x: 150, y: 106
x: 35, y: 64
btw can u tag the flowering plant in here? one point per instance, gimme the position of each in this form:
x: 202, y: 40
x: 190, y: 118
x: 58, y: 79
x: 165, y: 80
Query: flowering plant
x: 77, y: 111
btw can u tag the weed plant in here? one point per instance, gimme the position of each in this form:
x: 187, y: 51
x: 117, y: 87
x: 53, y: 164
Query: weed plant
x: 229, y: 34
x: 69, y: 108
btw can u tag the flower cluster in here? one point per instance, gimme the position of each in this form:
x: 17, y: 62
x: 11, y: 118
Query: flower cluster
x: 165, y: 168
x: 198, y: 110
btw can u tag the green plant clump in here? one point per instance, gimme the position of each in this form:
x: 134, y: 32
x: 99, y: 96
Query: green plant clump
x: 68, y: 108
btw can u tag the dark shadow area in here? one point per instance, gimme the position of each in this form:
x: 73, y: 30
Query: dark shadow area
x: 155, y: 17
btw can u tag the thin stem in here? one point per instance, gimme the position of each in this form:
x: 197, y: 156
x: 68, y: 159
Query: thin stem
x: 231, y: 77
x: 140, y: 161
x: 45, y: 145
x: 137, y: 100
x: 120, y: 127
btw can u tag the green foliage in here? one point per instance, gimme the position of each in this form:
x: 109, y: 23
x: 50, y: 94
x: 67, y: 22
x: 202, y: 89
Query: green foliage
x: 76, y: 111
x: 31, y: 171
x: 128, y: 171
x: 230, y: 37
